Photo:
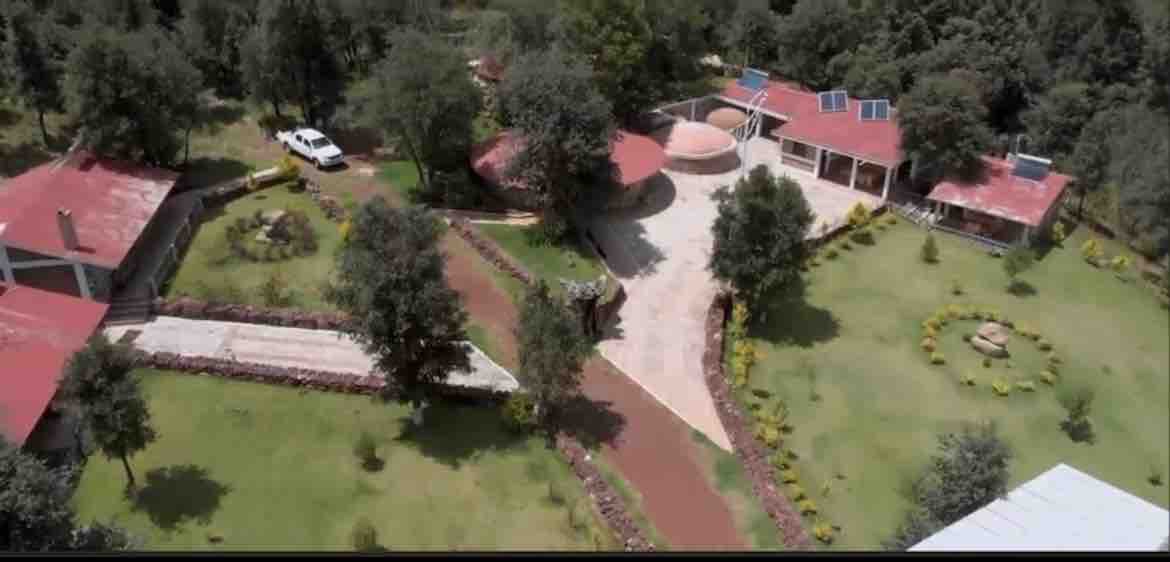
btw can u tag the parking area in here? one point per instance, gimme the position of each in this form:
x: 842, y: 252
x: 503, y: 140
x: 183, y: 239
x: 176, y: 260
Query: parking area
x: 659, y: 251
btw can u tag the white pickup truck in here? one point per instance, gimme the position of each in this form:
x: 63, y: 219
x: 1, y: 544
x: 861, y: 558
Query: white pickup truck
x: 313, y: 145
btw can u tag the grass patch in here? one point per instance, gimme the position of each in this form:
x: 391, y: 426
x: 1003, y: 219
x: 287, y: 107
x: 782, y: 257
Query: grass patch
x: 866, y: 404
x: 551, y: 263
x: 272, y: 468
x: 484, y: 127
x: 402, y: 177
x: 725, y: 473
x: 210, y: 263
x: 633, y: 500
x: 484, y: 340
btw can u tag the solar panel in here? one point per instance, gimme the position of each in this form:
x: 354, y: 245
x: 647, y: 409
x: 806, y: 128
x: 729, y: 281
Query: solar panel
x: 875, y: 110
x: 753, y: 79
x: 834, y: 101
x: 1030, y: 168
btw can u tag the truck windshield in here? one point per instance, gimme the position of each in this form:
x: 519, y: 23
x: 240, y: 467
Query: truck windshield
x: 320, y: 143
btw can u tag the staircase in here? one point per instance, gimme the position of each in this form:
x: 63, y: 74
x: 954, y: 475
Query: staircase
x: 128, y: 310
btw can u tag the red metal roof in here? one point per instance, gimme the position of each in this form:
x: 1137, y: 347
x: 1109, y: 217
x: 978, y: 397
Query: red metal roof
x: 843, y: 131
x: 39, y: 332
x: 1002, y: 194
x: 635, y: 157
x: 111, y: 202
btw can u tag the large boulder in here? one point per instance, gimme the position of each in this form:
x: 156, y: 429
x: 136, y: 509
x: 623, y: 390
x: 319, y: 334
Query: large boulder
x: 994, y: 332
x: 988, y: 348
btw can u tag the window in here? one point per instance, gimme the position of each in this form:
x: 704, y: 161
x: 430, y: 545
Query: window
x: 875, y: 110
x: 834, y: 101
x: 320, y: 142
x: 799, y: 149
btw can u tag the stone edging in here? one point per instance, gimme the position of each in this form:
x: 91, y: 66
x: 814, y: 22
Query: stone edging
x: 751, y: 454
x: 489, y: 250
x: 608, y: 502
x: 187, y: 307
x: 255, y: 372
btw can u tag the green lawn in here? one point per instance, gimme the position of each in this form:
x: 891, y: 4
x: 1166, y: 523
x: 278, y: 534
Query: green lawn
x: 272, y: 468
x: 209, y: 266
x: 402, y: 175
x: 548, y: 262
x: 866, y: 406
x: 727, y: 476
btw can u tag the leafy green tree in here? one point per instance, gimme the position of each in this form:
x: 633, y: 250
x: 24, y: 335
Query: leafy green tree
x: 1055, y: 122
x: 260, y: 69
x: 532, y: 22
x: 750, y: 35
x: 929, y: 250
x: 35, y: 513
x: 552, y: 351
x: 942, y: 124
x: 615, y: 36
x: 551, y: 100
x: 389, y: 280
x: 969, y: 471
x: 1016, y: 261
x: 1142, y: 131
x: 302, y: 56
x: 132, y: 93
x: 33, y: 49
x: 759, y: 233
x: 1157, y: 61
x: 423, y: 95
x: 211, y: 33
x: 811, y: 37
x: 1089, y: 162
x: 99, y: 380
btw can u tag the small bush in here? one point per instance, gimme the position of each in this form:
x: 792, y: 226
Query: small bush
x: 1048, y: 377
x: 807, y: 507
x: 967, y: 336
x: 556, y: 492
x: 288, y: 168
x: 1092, y: 250
x: 1008, y: 364
x: 366, y: 451
x: 891, y: 219
x: 788, y: 476
x: 937, y: 358
x: 967, y: 379
x: 1054, y: 359
x: 931, y: 323
x: 769, y: 434
x: 796, y: 493
x: 519, y: 413
x: 1043, y: 345
x: 1026, y: 386
x: 929, y: 251
x: 1155, y: 477
x: 845, y: 245
x: 928, y: 344
x: 823, y: 532
x: 364, y: 536
x: 1001, y: 387
x: 987, y: 362
x: 779, y: 461
x: 858, y: 216
x: 831, y: 254
x: 1120, y: 263
x: 274, y: 289
x: 791, y: 455
x: 1057, y: 235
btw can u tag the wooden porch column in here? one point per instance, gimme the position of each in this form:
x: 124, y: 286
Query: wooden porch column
x: 82, y: 282
x: 817, y: 164
x: 886, y: 185
x: 6, y: 266
x: 853, y: 175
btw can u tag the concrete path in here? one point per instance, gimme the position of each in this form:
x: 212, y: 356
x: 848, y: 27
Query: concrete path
x: 659, y: 251
x: 286, y: 347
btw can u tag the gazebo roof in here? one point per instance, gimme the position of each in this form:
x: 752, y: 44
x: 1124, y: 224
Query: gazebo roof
x: 635, y: 157
x: 694, y: 140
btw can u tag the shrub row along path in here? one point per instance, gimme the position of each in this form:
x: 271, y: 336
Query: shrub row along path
x: 650, y: 446
x: 323, y: 350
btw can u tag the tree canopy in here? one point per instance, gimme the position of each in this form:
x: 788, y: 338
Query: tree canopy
x: 389, y: 280
x: 552, y: 350
x: 759, y: 233
x: 33, y: 50
x: 942, y: 125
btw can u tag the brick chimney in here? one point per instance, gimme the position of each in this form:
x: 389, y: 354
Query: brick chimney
x: 68, y: 230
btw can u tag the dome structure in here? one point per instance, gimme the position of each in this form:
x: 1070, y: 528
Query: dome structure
x: 694, y: 140
x: 727, y: 118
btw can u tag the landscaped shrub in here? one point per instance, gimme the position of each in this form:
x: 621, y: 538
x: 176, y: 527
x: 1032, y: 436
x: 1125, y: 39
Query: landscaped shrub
x: 862, y: 235
x: 807, y: 507
x: 845, y: 245
x: 366, y: 451
x: 1057, y: 235
x: 1043, y: 345
x: 556, y: 492
x: 929, y: 251
x: 288, y: 168
x: 1092, y: 251
x: 967, y: 379
x: 1155, y: 477
x: 796, y: 493
x: 1048, y: 377
x: 768, y: 433
x: 1026, y: 386
x: 823, y: 532
x: 937, y: 358
x: 344, y: 228
x: 931, y: 323
x: 779, y: 461
x: 274, y: 290
x: 1001, y: 387
x: 1120, y: 263
x: 788, y: 476
x: 1079, y: 404
x: 954, y: 312
x: 1054, y: 359
x: 831, y: 254
x: 956, y: 287
x: 967, y: 337
x: 743, y: 358
x: 519, y: 412
x: 891, y: 219
x: 930, y: 332
x: 858, y: 216
x: 928, y: 344
x: 364, y: 536
x: 226, y: 292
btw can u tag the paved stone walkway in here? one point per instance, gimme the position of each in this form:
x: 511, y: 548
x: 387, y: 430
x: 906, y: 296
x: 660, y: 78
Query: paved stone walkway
x: 286, y: 347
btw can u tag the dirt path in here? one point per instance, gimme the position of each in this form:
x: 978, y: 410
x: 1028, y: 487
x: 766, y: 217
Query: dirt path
x: 652, y: 449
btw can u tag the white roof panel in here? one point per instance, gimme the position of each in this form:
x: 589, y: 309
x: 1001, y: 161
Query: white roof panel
x: 1063, y: 509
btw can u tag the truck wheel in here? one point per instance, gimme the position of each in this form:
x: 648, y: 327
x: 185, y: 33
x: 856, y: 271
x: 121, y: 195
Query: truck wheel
x: 287, y: 148
x: 317, y: 163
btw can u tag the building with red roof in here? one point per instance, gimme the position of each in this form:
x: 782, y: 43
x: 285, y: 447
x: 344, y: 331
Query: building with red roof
x: 852, y: 142
x: 1012, y: 201
x: 39, y: 332
x: 75, y: 224
x: 635, y: 159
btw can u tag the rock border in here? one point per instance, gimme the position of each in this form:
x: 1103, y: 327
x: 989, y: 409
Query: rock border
x: 195, y: 309
x: 490, y: 251
x: 752, y: 456
x: 608, y: 503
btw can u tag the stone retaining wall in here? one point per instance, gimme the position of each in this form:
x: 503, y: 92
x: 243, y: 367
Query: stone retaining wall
x: 608, y: 502
x: 490, y: 251
x: 187, y: 307
x: 269, y: 374
x: 752, y: 455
